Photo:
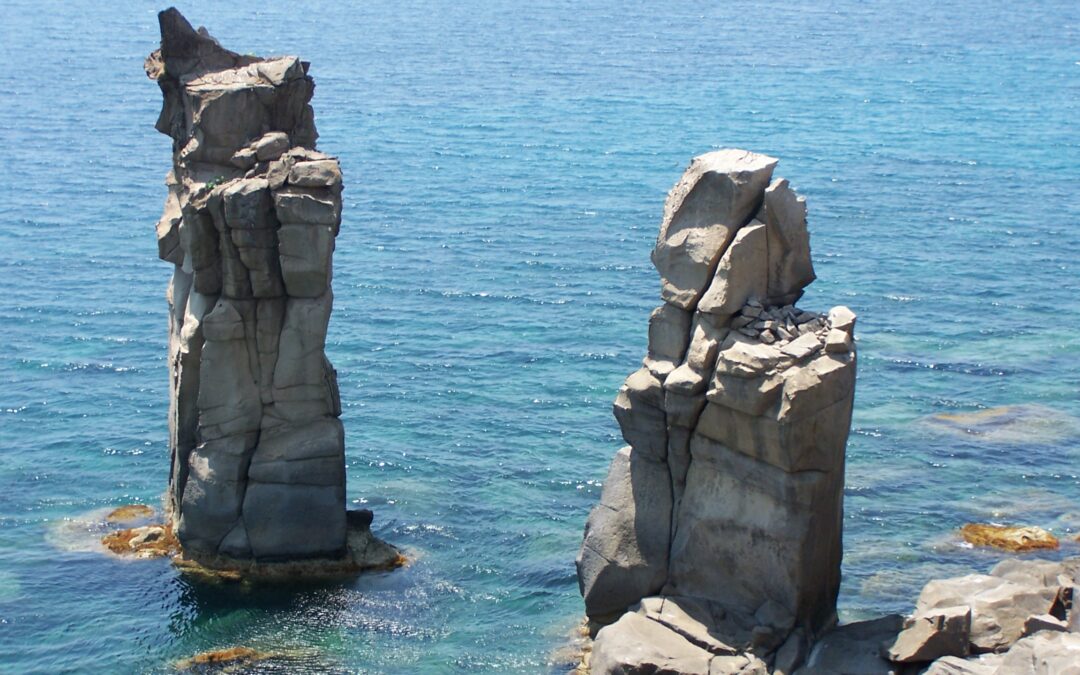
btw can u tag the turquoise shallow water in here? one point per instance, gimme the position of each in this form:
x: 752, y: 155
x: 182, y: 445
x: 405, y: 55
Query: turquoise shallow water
x: 506, y: 167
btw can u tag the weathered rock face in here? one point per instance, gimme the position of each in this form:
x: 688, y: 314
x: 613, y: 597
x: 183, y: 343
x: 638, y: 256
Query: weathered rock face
x: 250, y: 219
x: 729, y: 495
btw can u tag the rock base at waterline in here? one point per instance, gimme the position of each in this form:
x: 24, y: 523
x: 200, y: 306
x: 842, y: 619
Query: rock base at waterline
x: 1022, y: 618
x: 365, y: 553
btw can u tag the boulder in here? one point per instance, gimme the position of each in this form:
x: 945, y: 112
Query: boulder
x: 635, y: 645
x: 1046, y: 653
x: 717, y: 195
x: 1036, y: 624
x: 942, y: 632
x: 790, y: 268
x: 1013, y: 539
x: 999, y: 607
x: 741, y: 274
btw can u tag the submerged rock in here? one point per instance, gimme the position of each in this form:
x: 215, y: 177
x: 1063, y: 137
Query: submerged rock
x: 1014, y: 539
x: 726, y: 506
x: 129, y: 513
x: 1028, y: 423
x: 232, y: 657
x: 250, y: 221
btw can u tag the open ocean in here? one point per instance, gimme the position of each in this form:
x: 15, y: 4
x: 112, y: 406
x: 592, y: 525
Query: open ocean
x: 506, y: 165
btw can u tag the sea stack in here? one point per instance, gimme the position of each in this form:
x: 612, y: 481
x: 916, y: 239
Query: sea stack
x: 258, y: 451
x: 716, y: 545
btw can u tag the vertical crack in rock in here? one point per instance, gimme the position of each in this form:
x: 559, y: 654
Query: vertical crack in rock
x: 250, y: 220
x: 721, y: 520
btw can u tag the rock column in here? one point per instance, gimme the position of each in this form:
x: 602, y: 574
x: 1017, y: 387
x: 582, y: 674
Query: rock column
x: 250, y: 220
x: 722, y: 517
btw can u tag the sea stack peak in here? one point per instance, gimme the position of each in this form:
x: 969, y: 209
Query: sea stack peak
x: 716, y: 545
x: 250, y: 221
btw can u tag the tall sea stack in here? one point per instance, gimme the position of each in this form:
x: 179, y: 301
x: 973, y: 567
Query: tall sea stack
x: 258, y: 451
x: 716, y: 545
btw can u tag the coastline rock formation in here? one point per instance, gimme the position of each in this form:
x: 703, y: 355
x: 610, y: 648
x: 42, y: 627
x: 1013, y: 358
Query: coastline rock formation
x: 1020, y: 619
x: 258, y: 470
x: 716, y: 545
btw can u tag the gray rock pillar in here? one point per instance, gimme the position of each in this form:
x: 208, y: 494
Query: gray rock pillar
x: 729, y: 495
x: 258, y: 451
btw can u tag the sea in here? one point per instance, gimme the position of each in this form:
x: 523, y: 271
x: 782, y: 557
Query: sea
x: 506, y: 165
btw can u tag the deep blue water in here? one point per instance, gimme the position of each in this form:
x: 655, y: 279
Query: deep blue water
x: 506, y: 165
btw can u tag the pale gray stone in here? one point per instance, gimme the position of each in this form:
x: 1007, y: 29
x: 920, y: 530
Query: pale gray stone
x: 1046, y: 653
x: 741, y: 273
x: 1035, y: 624
x: 669, y: 333
x: 790, y: 267
x: 318, y: 173
x: 311, y: 206
x: 1038, y: 572
x: 803, y: 347
x: 624, y: 554
x: 837, y: 341
x: 999, y: 607
x: 637, y: 645
x: 842, y: 318
x: 745, y: 533
x: 945, y: 631
x: 305, y: 259
x: 717, y: 195
x: 271, y: 146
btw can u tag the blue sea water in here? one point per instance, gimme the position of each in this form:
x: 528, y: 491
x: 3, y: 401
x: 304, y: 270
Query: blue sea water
x: 506, y: 165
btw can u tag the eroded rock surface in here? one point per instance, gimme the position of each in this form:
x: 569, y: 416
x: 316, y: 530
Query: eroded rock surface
x: 250, y: 221
x: 720, y: 522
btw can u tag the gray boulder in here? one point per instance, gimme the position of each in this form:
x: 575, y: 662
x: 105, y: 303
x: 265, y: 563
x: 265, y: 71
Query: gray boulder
x: 635, y: 645
x: 999, y: 607
x: 1049, y: 653
x: 942, y: 632
x: 717, y: 195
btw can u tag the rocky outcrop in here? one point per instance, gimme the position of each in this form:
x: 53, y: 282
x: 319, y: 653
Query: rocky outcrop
x: 717, y: 540
x: 1019, y: 619
x: 250, y: 220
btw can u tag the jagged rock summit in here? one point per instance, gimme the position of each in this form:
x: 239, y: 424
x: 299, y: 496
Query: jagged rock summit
x: 716, y: 545
x: 258, y: 451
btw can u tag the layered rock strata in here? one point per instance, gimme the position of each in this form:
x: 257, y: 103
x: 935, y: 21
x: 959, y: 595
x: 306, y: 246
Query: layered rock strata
x: 719, y: 525
x: 250, y: 220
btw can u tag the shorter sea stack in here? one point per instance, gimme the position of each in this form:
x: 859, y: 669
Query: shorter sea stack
x: 250, y: 221
x: 716, y: 545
